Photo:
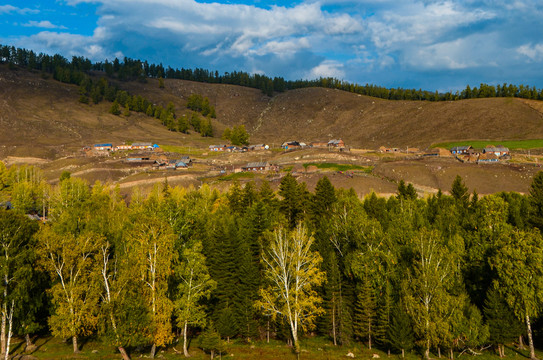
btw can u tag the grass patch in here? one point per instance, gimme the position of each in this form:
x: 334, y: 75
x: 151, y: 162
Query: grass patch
x: 511, y: 144
x: 287, y: 169
x: 237, y: 176
x: 340, y: 167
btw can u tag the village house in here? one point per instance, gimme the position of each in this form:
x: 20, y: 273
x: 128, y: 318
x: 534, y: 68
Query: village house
x: 123, y: 147
x: 258, y: 147
x: 499, y: 150
x: 488, y: 157
x: 186, y: 159
x: 138, y: 158
x: 462, y: 150
x: 176, y: 164
x: 143, y: 146
x: 103, y: 147
x: 338, y: 143
x: 259, y: 166
x: 291, y: 145
x: 217, y: 147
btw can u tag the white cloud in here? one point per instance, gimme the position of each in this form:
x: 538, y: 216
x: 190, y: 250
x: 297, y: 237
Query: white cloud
x: 67, y: 45
x: 6, y: 9
x: 422, y: 24
x: 532, y: 52
x: 359, y: 39
x: 45, y: 24
x: 327, y: 68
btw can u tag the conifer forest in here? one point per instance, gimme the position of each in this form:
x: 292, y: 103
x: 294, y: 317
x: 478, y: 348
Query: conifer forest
x: 445, y: 275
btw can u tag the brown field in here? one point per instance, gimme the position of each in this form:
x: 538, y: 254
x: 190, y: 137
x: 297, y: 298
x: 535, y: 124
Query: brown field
x: 42, y: 123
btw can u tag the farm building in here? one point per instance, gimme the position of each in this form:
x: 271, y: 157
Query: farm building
x: 103, y: 147
x: 176, y: 164
x: 488, y: 157
x: 138, y: 158
x: 336, y: 143
x: 259, y: 166
x: 186, y: 159
x: 123, y: 147
x: 499, y: 150
x: 291, y: 145
x: 142, y: 146
x: 461, y: 150
x: 258, y: 147
x: 217, y: 147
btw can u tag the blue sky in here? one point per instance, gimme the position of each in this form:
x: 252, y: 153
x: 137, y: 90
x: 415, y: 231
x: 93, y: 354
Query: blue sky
x: 426, y: 44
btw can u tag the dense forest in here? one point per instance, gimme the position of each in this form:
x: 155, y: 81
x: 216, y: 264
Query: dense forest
x: 447, y: 273
x: 129, y: 69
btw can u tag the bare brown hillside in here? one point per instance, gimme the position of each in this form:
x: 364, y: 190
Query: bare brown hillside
x: 42, y: 117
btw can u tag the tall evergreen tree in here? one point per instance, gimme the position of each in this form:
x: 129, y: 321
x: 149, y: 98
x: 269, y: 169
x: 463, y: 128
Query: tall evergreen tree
x: 400, y: 332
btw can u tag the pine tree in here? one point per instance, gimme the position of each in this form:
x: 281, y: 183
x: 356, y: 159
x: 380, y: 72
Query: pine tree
x: 384, y: 314
x: 365, y: 312
x: 210, y: 341
x: 292, y: 204
x: 536, y: 201
x: 503, y: 325
x: 115, y: 108
x: 400, y: 331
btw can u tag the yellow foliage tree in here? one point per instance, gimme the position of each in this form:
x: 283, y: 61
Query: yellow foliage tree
x: 292, y: 271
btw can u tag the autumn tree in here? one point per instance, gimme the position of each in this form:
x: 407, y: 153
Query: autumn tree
x: 151, y: 243
x: 194, y: 286
x: 71, y: 261
x: 292, y: 271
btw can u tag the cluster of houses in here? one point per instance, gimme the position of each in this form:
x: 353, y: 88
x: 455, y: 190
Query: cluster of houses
x: 159, y: 161
x: 106, y: 148
x: 466, y: 153
x: 233, y: 148
x: 489, y: 154
x: 287, y: 145
x: 258, y: 167
x: 332, y: 144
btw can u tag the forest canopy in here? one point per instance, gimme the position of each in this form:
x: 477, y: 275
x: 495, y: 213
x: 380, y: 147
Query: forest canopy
x: 450, y: 273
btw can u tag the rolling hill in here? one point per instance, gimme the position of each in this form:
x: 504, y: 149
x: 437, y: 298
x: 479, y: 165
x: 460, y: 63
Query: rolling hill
x: 42, y: 117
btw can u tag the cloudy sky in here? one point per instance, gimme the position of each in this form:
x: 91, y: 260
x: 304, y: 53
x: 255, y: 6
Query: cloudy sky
x: 426, y: 44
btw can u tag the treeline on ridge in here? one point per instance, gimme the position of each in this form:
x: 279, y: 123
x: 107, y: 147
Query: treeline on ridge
x: 130, y: 69
x: 451, y: 273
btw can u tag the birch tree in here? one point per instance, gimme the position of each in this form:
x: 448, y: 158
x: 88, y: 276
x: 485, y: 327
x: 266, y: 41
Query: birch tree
x: 196, y: 284
x: 517, y: 263
x: 124, y: 313
x: 15, y: 265
x: 292, y: 271
x: 427, y: 292
x: 71, y: 263
x: 151, y: 244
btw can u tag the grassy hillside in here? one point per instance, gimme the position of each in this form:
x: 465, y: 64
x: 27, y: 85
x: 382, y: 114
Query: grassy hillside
x: 43, y: 118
